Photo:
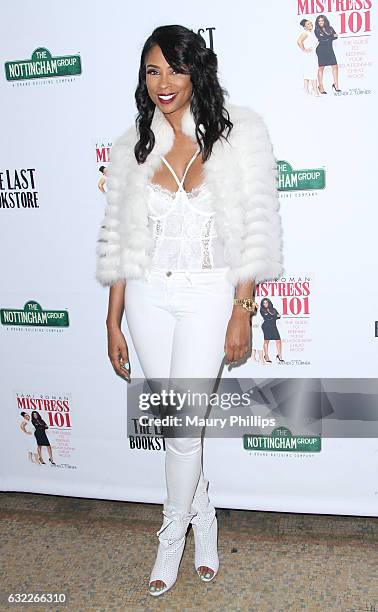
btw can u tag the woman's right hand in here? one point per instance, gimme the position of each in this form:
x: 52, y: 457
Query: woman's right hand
x: 118, y: 352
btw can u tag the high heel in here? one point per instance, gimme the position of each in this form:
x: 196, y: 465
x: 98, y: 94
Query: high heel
x: 205, y: 531
x: 266, y: 357
x: 334, y: 88
x: 322, y: 92
x: 279, y: 359
x: 41, y: 460
x: 172, y: 536
x: 51, y: 461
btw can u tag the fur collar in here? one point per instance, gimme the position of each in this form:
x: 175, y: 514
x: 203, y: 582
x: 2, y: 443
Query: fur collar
x: 164, y: 134
x: 164, y: 139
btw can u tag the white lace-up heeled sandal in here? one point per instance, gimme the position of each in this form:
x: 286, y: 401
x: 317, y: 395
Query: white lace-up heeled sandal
x: 205, y: 531
x: 172, y: 536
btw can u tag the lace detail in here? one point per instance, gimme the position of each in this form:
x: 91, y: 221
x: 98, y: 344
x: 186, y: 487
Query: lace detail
x: 157, y: 232
x: 183, y: 226
x: 206, y: 255
x: 183, y: 230
x: 172, y: 194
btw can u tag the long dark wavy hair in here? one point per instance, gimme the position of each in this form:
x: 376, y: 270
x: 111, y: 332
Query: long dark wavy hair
x: 36, y: 419
x: 327, y: 26
x: 185, y: 52
x: 270, y: 308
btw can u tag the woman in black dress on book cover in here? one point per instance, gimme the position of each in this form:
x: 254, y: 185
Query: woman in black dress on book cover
x: 40, y: 435
x: 325, y: 34
x: 269, y: 327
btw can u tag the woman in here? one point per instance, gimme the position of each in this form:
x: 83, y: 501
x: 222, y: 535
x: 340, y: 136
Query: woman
x: 308, y: 42
x: 102, y: 182
x: 30, y: 448
x: 269, y: 327
x: 325, y: 34
x: 40, y: 435
x: 258, y: 338
x: 191, y: 225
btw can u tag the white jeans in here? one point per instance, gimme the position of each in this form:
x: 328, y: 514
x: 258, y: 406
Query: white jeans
x: 177, y: 322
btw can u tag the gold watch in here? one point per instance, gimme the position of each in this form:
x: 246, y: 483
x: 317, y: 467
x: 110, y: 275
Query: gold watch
x: 247, y: 303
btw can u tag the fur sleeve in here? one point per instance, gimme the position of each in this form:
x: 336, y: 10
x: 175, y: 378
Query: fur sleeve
x: 109, y: 241
x: 261, y: 240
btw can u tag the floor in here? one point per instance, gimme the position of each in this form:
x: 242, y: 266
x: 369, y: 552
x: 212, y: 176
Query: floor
x: 100, y: 554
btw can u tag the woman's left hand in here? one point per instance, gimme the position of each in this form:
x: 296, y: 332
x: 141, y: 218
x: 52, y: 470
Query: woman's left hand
x: 238, y: 336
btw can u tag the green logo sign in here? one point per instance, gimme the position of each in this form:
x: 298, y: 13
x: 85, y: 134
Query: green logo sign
x: 299, y: 180
x: 281, y: 439
x: 41, y: 65
x: 33, y: 315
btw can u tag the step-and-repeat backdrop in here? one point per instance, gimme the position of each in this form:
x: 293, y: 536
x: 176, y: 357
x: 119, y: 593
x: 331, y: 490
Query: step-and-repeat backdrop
x: 67, y: 80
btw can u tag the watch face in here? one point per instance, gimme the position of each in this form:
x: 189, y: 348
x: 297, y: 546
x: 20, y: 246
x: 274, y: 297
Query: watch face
x: 249, y: 304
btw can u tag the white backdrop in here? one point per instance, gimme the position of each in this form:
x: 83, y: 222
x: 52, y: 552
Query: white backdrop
x: 53, y: 128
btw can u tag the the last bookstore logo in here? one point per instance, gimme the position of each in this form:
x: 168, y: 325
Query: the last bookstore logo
x: 18, y: 188
x: 146, y: 437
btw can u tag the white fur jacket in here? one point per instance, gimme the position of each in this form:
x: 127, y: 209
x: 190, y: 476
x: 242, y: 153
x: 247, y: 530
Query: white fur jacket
x: 241, y: 175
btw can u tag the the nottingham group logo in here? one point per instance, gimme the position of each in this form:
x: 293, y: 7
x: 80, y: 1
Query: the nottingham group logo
x: 299, y: 180
x: 32, y: 315
x: 281, y: 439
x: 42, y: 65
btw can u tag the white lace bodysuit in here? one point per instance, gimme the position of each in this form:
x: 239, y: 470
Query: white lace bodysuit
x: 183, y: 227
